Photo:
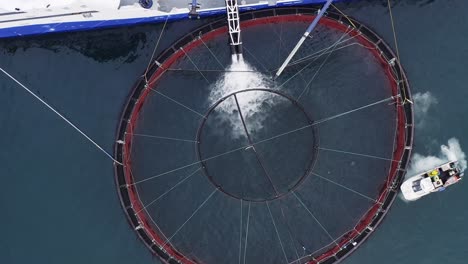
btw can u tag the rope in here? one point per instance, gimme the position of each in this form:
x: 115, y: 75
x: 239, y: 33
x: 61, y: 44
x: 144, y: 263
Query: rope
x: 255, y: 58
x: 347, y: 18
x: 395, y: 40
x: 189, y: 165
x: 168, y: 191
x: 277, y: 233
x: 257, y: 155
x: 209, y: 70
x: 324, y: 120
x: 312, y: 56
x: 357, y: 154
x: 347, y: 188
x: 315, y: 218
x: 322, y: 51
x: 214, y: 56
x: 298, y: 72
x: 289, y: 232
x: 321, y: 66
x: 62, y: 117
x: 159, y: 137
x: 240, y: 232
x: 393, y: 28
x: 155, y: 48
x: 193, y: 214
x: 196, y: 67
x: 179, y: 103
x: 247, y: 232
x: 354, y: 110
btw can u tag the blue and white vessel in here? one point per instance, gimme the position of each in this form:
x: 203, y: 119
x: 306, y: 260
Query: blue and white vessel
x: 38, y: 17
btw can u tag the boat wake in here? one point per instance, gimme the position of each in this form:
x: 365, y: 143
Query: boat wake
x: 450, y: 152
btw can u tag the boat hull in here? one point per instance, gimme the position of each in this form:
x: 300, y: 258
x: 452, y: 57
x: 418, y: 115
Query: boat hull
x: 40, y: 22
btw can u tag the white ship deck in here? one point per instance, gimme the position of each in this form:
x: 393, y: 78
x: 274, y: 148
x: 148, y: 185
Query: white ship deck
x: 35, y: 17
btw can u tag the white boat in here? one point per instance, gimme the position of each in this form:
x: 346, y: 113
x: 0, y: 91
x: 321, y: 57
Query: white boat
x: 37, y: 17
x: 435, y: 180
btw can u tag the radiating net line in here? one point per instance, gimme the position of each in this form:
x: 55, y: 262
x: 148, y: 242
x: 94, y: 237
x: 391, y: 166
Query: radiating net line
x: 310, y: 63
x: 179, y: 103
x: 194, y: 64
x: 62, y: 117
x: 155, y: 48
x: 247, y: 232
x: 277, y: 233
x: 240, y: 233
x: 346, y: 188
x: 169, y: 190
x: 315, y: 218
x: 356, y: 154
x: 266, y: 140
x: 191, y: 216
x: 161, y: 137
x: 321, y: 65
x: 212, y: 54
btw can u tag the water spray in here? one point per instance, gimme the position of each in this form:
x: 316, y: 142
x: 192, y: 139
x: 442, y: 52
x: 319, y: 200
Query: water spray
x: 232, y: 10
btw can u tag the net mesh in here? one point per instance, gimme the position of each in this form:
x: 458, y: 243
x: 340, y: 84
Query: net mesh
x: 234, y: 166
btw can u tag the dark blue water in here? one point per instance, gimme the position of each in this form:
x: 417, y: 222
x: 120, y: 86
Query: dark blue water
x: 59, y: 204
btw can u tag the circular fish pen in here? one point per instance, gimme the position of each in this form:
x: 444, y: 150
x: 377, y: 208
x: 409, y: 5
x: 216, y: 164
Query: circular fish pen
x: 222, y: 163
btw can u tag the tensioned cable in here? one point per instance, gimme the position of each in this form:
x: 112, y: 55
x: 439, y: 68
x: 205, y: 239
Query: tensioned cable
x: 325, y: 50
x: 62, y: 117
x: 264, y: 140
x: 289, y: 231
x: 347, y: 18
x: 168, y: 191
x: 191, y: 216
x: 156, y: 47
x: 405, y: 99
x: 277, y: 233
x: 211, y: 70
x: 320, y: 67
x: 240, y: 232
x: 257, y: 155
x: 347, y: 188
x: 302, y: 69
x: 211, y: 52
x: 196, y: 67
x: 188, y: 165
x: 255, y: 58
x: 160, y: 137
x: 177, y: 102
x: 356, y: 154
x: 325, y: 119
x: 281, y: 47
x: 315, y: 218
x: 247, y: 232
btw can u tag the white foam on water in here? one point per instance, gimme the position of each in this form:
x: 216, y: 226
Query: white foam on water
x: 450, y: 152
x: 422, y: 103
x: 240, y: 76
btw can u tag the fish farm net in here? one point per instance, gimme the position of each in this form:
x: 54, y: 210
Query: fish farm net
x: 224, y: 163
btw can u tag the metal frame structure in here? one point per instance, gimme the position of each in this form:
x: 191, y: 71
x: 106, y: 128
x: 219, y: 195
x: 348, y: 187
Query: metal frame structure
x: 232, y: 11
x: 333, y: 253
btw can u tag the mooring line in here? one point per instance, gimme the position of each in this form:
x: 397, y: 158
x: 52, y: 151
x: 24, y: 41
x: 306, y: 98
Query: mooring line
x: 62, y: 117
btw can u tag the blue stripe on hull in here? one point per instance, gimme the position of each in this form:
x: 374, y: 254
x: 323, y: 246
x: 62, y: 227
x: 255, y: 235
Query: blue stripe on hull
x: 89, y: 25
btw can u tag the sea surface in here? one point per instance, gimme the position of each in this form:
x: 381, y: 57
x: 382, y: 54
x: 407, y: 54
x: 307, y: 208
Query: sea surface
x: 59, y: 203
